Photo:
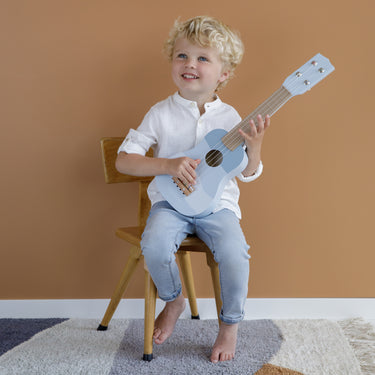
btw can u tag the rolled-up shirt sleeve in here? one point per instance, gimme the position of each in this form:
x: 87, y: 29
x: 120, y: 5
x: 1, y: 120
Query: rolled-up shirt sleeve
x: 136, y: 143
x: 254, y: 176
x: 139, y: 141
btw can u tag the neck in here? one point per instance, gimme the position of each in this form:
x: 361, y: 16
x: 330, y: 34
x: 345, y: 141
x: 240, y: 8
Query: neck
x: 233, y: 138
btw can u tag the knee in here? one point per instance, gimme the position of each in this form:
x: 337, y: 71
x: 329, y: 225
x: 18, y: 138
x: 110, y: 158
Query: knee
x: 231, y: 253
x: 157, y: 250
x: 236, y: 267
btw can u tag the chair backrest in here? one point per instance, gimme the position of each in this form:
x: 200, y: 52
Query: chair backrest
x: 109, y: 147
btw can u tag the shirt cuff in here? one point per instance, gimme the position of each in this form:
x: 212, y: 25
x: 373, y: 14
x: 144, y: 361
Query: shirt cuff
x: 135, y: 143
x: 254, y: 176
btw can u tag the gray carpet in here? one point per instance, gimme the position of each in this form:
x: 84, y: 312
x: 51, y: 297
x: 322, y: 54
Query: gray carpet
x: 188, y: 350
x: 265, y: 347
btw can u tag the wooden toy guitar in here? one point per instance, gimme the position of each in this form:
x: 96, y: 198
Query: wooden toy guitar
x: 222, y: 154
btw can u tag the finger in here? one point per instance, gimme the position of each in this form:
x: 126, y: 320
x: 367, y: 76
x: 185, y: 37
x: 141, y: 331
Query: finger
x: 184, y: 177
x: 253, y: 128
x: 260, y: 123
x: 189, y: 172
x: 244, y: 134
x: 267, y: 121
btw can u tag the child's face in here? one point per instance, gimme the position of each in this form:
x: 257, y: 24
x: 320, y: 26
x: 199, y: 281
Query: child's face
x: 197, y: 70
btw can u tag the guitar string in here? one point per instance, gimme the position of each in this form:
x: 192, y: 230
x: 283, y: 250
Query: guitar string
x: 280, y: 97
x: 278, y: 94
x: 277, y: 99
x: 270, y: 106
x: 267, y: 108
x: 264, y: 108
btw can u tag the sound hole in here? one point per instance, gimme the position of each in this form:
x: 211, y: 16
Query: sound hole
x: 214, y: 158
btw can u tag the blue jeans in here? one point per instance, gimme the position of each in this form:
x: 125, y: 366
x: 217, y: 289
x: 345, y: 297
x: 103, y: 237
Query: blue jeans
x: 166, y: 229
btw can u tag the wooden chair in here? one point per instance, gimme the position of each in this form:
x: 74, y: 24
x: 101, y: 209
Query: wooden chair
x: 132, y: 235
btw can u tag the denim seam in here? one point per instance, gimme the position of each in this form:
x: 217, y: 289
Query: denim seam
x: 177, y: 288
x: 221, y: 287
x: 221, y: 316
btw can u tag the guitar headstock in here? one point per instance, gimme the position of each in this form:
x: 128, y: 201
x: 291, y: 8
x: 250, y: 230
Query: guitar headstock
x: 308, y: 75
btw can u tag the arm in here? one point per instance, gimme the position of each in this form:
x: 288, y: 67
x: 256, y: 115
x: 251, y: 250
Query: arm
x: 253, y: 140
x: 139, y: 165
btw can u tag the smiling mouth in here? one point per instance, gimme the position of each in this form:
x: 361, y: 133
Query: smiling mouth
x: 189, y: 76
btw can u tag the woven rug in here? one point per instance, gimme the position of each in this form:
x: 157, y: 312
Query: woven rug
x: 265, y: 347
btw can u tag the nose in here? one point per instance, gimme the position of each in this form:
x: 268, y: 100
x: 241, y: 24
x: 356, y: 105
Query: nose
x: 190, y: 63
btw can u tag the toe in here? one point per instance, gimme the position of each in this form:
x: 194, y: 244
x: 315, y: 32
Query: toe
x: 215, y: 356
x: 157, y: 332
x: 161, y: 337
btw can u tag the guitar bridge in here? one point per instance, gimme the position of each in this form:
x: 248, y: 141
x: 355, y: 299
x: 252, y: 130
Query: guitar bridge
x: 186, y: 190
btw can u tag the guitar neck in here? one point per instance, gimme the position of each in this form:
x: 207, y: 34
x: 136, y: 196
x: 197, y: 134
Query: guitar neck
x: 233, y: 138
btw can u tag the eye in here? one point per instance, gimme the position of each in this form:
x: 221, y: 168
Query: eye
x: 181, y: 56
x: 202, y: 58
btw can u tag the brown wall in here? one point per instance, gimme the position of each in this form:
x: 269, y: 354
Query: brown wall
x: 75, y: 71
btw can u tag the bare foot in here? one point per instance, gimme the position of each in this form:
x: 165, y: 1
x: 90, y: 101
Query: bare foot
x: 165, y: 322
x: 225, y: 344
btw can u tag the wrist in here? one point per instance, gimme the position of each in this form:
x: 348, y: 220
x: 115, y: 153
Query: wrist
x: 164, y: 165
x: 253, y: 151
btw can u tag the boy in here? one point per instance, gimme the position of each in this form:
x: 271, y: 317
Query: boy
x: 203, y: 53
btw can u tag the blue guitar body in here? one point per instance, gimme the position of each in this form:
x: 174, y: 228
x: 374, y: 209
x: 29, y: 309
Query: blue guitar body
x: 211, y: 179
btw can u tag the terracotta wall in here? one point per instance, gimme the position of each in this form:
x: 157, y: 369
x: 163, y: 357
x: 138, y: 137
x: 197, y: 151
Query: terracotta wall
x: 75, y: 71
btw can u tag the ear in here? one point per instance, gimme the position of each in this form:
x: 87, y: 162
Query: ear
x: 224, y: 75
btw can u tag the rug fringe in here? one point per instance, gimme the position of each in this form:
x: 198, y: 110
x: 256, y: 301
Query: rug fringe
x: 361, y: 336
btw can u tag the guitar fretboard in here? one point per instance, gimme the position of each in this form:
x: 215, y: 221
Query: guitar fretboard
x: 233, y: 138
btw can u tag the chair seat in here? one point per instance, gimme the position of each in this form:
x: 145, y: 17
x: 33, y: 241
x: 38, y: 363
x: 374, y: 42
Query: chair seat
x: 133, y: 235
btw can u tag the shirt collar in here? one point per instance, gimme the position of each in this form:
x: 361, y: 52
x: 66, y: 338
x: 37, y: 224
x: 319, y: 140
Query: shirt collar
x: 191, y: 104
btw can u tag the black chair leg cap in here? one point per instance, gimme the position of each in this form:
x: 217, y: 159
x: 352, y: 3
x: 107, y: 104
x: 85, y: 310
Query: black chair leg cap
x: 195, y: 317
x: 102, y: 328
x: 148, y: 357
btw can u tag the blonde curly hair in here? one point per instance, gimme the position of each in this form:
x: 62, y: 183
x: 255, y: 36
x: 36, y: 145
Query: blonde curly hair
x: 208, y: 32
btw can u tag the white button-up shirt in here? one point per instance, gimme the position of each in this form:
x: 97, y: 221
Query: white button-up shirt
x: 175, y: 125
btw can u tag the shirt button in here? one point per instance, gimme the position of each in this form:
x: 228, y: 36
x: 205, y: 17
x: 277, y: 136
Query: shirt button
x: 192, y: 104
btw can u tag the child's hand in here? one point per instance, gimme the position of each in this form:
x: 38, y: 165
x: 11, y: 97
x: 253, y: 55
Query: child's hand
x: 184, y: 169
x: 253, y: 140
x: 254, y: 137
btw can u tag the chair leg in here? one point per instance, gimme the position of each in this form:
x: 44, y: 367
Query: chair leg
x: 134, y: 257
x: 150, y: 302
x: 187, y: 274
x: 214, y: 268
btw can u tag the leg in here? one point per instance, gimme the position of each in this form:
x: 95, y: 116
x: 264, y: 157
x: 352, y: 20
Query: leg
x: 216, y: 282
x: 185, y: 264
x: 223, y: 235
x: 225, y: 344
x: 162, y: 237
x: 167, y: 319
x: 150, y: 300
x: 135, y: 255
